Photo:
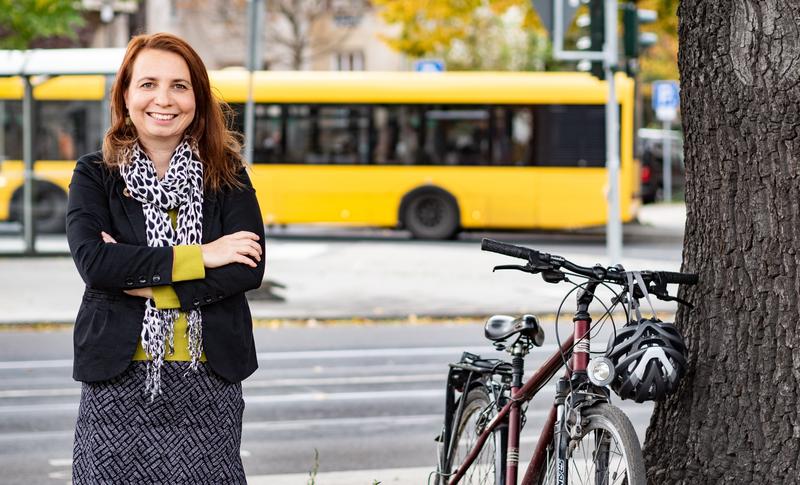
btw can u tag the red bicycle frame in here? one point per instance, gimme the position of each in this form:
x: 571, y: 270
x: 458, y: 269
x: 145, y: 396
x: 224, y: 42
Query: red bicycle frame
x: 519, y: 395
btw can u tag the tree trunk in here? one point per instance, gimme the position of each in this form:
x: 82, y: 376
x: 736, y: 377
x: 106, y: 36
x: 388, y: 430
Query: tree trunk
x: 735, y: 416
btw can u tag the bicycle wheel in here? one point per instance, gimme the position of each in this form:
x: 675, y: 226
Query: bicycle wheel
x: 490, y: 466
x: 607, y: 452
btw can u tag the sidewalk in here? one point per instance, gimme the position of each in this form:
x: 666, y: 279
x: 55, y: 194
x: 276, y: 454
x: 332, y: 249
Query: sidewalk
x: 396, y: 476
x: 351, y: 278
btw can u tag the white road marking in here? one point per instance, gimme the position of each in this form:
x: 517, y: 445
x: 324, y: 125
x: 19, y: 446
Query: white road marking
x: 455, y: 351
x: 257, y: 400
x: 34, y: 364
x: 300, y: 424
x: 60, y: 462
x: 259, y: 384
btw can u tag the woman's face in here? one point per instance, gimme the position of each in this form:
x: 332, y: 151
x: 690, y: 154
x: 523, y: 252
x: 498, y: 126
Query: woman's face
x: 160, y: 98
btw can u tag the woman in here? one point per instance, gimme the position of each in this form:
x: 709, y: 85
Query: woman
x: 166, y: 232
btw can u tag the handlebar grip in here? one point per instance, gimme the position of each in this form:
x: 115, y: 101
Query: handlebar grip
x: 678, y: 278
x: 508, y: 249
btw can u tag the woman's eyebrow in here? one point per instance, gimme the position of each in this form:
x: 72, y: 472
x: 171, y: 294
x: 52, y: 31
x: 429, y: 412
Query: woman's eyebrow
x: 151, y: 78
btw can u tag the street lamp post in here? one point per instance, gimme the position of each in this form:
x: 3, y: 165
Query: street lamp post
x: 255, y: 15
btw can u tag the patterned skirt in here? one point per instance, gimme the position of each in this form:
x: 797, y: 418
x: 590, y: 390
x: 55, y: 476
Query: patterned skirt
x: 190, y: 434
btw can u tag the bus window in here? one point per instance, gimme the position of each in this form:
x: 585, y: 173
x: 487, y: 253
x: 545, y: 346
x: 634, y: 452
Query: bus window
x: 512, y: 133
x: 11, y: 135
x: 268, y: 146
x: 67, y: 129
x: 456, y: 135
x: 396, y: 135
x: 341, y: 135
x: 570, y: 136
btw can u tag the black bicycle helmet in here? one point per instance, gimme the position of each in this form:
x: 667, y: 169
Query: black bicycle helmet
x: 649, y: 359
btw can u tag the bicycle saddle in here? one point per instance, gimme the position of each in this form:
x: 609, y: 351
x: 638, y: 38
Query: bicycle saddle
x: 500, y: 327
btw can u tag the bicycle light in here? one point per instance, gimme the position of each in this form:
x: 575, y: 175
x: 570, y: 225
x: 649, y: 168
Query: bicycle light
x: 601, y: 371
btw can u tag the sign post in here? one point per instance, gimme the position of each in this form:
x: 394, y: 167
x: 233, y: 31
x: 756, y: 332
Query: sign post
x: 666, y: 99
x: 562, y: 14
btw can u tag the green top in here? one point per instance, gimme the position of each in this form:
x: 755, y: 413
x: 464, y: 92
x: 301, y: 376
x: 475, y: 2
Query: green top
x: 187, y: 264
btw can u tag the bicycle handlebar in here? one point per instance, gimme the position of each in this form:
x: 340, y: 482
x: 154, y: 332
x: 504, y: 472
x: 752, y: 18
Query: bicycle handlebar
x: 539, y: 261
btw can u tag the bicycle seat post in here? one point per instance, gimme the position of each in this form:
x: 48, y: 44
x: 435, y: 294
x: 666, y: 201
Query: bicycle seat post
x: 518, y: 352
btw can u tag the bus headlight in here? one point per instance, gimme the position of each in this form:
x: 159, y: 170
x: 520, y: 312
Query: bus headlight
x: 601, y: 371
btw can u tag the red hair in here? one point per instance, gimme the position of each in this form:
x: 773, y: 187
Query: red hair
x: 218, y: 147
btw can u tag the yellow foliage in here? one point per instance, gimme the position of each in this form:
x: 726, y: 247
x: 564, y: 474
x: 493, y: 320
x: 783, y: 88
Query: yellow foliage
x: 433, y: 27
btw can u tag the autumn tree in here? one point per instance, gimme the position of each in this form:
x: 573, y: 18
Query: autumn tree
x: 736, y: 417
x: 468, y: 34
x: 25, y: 21
x: 301, y: 30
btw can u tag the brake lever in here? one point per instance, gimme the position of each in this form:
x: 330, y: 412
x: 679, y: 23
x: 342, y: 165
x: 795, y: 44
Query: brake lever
x: 667, y: 297
x: 517, y: 267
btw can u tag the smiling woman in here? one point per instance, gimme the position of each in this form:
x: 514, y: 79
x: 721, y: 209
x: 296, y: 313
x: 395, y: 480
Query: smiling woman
x: 166, y: 232
x: 160, y: 103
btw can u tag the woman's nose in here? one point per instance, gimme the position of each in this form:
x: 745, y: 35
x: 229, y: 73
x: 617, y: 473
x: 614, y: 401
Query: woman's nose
x: 163, y: 97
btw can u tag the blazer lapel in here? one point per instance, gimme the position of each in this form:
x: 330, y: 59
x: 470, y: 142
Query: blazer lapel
x: 133, y: 209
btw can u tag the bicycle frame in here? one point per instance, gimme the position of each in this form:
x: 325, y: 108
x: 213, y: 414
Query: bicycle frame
x: 520, y: 395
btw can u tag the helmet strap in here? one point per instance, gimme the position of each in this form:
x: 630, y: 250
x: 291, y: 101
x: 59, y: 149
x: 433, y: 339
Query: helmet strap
x: 635, y: 278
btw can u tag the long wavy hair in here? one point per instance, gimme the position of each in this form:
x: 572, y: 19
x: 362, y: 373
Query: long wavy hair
x: 219, y: 147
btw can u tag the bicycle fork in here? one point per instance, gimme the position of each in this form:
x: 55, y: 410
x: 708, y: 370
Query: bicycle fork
x: 573, y: 379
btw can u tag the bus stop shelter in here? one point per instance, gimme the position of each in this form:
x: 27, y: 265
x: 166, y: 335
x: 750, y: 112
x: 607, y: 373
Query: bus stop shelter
x: 34, y: 67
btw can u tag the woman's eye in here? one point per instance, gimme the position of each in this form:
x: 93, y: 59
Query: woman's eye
x: 147, y: 85
x: 181, y: 86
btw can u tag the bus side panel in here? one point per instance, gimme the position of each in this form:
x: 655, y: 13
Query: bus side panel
x: 58, y: 172
x: 502, y: 197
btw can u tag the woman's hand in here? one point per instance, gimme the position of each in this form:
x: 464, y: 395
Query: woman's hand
x: 142, y: 292
x: 239, y: 247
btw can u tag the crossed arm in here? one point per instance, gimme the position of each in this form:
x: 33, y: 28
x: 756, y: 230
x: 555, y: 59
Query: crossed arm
x: 233, y: 263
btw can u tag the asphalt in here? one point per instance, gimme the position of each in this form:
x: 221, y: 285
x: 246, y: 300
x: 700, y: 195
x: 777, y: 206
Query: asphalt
x: 350, y: 278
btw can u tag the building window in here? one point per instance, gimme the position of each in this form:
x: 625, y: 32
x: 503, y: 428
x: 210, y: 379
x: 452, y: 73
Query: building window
x: 348, y: 61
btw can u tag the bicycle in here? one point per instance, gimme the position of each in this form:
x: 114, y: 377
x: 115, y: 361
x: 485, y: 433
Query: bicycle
x: 585, y: 439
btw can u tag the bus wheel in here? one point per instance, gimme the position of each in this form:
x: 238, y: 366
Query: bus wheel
x: 430, y: 213
x: 49, y: 207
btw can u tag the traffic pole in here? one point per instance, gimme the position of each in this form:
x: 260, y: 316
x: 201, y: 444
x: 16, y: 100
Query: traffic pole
x: 614, y: 221
x: 666, y: 151
x: 254, y: 15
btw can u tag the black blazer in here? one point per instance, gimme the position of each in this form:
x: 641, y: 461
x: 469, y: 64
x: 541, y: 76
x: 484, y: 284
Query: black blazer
x: 109, y: 321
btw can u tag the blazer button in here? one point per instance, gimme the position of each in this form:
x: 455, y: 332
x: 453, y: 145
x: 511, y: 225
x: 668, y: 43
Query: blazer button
x: 220, y: 297
x: 142, y: 280
x: 208, y: 299
x: 196, y: 302
x: 129, y: 281
x: 156, y: 278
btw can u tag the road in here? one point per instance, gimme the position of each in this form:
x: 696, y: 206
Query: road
x: 365, y: 274
x: 366, y: 397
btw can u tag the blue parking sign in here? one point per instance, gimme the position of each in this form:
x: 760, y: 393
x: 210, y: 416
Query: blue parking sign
x: 666, y: 99
x: 429, y: 65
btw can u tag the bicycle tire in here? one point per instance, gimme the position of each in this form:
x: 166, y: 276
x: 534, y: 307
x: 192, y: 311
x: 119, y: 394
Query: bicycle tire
x: 489, y: 467
x: 602, y: 423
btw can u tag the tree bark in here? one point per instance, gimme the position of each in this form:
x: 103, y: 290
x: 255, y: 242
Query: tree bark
x: 734, y: 418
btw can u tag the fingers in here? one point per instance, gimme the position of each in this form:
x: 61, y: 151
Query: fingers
x: 239, y: 258
x: 244, y: 235
x: 107, y: 237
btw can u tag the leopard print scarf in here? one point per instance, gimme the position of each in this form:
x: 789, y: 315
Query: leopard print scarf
x: 181, y: 188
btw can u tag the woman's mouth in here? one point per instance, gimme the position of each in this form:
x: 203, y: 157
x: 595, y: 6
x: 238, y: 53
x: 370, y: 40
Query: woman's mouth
x: 162, y: 116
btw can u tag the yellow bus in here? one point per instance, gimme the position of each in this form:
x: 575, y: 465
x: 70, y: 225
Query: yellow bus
x: 430, y: 152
